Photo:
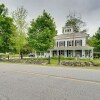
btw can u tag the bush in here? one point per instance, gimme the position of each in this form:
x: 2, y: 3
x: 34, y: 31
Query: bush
x: 69, y: 58
x: 54, y: 57
x: 62, y: 58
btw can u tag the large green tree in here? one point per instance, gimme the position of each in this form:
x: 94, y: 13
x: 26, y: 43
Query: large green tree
x: 41, y: 33
x: 95, y: 41
x: 19, y: 17
x: 75, y: 22
x: 7, y: 29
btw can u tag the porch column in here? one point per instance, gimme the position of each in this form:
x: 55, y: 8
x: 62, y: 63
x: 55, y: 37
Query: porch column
x: 65, y: 53
x: 51, y: 53
x: 57, y: 52
x: 91, y: 54
x: 58, y: 43
x: 83, y: 53
x: 35, y: 55
x: 73, y: 53
x: 65, y: 43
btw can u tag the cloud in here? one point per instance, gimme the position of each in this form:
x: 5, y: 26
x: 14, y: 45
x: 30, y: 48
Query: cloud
x: 59, y: 9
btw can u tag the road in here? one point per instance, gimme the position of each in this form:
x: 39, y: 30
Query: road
x: 33, y: 82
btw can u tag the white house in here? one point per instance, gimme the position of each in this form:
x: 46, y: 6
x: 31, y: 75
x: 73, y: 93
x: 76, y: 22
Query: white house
x: 70, y: 44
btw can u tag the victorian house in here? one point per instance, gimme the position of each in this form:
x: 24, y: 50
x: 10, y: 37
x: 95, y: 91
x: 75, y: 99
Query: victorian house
x: 70, y: 44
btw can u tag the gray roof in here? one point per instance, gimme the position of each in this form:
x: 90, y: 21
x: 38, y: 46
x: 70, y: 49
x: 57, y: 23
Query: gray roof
x: 73, y: 48
x: 71, y: 35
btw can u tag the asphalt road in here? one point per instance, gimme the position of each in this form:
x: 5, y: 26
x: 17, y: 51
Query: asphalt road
x: 32, y: 82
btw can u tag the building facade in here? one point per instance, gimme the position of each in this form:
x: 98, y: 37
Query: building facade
x: 70, y: 44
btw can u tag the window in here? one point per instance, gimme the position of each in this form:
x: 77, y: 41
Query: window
x: 68, y: 30
x: 78, y: 42
x: 57, y: 44
x: 61, y: 43
x: 38, y: 53
x: 42, y: 53
x: 70, y: 43
x: 62, y: 52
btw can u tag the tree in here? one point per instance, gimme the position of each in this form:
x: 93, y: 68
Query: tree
x: 95, y: 41
x: 91, y: 41
x: 3, y: 10
x: 41, y: 33
x: 19, y: 17
x: 7, y: 29
x: 75, y: 22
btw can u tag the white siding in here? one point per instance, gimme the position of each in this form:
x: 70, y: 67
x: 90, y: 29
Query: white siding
x: 83, y: 41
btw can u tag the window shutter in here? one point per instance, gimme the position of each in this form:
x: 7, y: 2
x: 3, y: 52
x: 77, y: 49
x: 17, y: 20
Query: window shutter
x: 72, y: 43
x: 67, y: 43
x: 64, y: 43
x: 57, y: 44
x: 81, y: 42
x: 75, y: 42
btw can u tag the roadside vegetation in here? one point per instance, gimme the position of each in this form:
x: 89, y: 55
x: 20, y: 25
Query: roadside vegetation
x: 54, y: 61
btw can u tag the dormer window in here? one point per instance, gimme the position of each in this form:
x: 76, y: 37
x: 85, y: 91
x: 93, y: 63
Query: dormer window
x: 67, y: 30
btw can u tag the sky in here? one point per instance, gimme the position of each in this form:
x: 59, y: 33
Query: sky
x: 88, y: 10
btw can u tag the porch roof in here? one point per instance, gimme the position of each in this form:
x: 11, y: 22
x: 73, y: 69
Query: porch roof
x: 71, y: 36
x: 73, y: 48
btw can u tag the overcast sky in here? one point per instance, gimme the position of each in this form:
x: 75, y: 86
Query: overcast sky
x: 59, y: 9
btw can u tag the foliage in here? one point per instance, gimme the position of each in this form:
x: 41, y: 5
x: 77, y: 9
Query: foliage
x: 75, y: 22
x: 91, y: 41
x: 26, y: 49
x: 95, y: 41
x: 7, y: 29
x: 3, y: 10
x: 62, y: 58
x: 19, y: 39
x: 42, y: 32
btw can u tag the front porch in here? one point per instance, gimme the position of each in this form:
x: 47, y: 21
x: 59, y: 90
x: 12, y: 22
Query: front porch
x: 74, y: 52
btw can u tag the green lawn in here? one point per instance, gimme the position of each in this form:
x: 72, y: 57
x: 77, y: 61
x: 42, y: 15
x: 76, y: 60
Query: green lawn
x: 54, y: 61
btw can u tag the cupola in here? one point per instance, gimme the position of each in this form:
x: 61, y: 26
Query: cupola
x: 67, y: 30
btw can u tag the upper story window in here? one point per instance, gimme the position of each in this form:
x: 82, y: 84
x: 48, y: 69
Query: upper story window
x: 67, y: 30
x: 61, y: 43
x: 78, y: 42
x: 70, y: 43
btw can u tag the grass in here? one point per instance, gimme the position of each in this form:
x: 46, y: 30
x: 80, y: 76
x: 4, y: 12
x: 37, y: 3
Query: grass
x: 54, y: 61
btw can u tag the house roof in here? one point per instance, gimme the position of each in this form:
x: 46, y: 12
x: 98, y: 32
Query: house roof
x: 73, y: 48
x: 71, y: 36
